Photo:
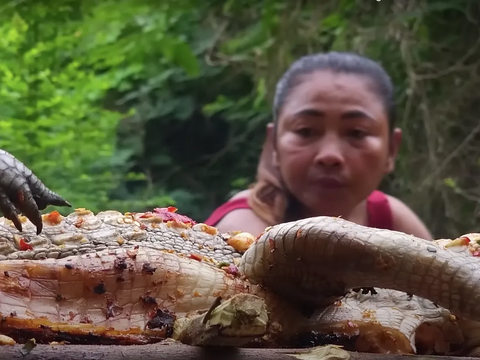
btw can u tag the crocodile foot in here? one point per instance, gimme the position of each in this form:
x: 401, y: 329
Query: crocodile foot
x: 23, y: 192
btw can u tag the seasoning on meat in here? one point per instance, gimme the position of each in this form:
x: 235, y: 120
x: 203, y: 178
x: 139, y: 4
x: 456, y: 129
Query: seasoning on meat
x: 53, y: 218
x: 196, y: 257
x: 170, y: 214
x: 147, y: 268
x: 24, y: 246
x: 120, y: 263
x: 241, y: 241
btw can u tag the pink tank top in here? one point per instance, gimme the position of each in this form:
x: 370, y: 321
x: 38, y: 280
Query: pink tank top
x: 378, y: 210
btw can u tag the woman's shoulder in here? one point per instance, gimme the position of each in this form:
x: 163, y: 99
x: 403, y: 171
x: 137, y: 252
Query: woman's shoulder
x: 404, y: 219
x: 238, y: 216
x: 243, y: 194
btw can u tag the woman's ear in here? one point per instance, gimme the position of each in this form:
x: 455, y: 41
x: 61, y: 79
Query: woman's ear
x: 269, y: 144
x: 270, y: 130
x: 268, y: 157
x: 393, y: 147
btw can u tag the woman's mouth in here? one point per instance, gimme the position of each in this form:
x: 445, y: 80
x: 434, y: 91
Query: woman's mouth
x: 330, y: 182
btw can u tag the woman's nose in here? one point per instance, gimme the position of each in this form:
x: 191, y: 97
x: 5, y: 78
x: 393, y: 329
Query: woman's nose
x: 329, y: 153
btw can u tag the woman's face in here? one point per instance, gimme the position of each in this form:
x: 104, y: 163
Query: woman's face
x: 333, y: 145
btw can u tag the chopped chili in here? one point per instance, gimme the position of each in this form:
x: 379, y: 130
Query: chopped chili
x: 54, y: 218
x: 24, y: 246
x: 463, y: 240
x: 170, y: 214
x: 195, y: 257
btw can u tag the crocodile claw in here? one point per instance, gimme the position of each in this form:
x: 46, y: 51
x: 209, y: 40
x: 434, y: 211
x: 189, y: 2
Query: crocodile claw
x: 22, y: 192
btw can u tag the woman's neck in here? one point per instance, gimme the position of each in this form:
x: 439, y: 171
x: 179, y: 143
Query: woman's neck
x: 357, y: 215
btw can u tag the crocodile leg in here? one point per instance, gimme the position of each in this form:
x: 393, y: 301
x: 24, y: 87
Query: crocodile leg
x: 23, y: 192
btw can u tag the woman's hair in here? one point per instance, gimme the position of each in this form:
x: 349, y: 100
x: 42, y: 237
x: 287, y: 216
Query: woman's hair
x: 269, y: 198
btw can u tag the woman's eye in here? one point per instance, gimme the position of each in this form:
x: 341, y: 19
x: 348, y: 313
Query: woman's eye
x: 357, y: 134
x: 305, y: 132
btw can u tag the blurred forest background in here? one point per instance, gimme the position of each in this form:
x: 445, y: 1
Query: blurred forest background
x: 135, y: 104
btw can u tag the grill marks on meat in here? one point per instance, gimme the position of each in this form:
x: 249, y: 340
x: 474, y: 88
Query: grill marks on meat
x: 45, y: 332
x: 86, y: 298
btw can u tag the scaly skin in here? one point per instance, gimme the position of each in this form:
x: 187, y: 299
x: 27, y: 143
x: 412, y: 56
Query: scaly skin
x: 121, y: 289
x: 117, y: 288
x: 21, y: 191
x: 30, y: 287
x: 390, y: 322
x: 313, y: 261
x: 83, y: 232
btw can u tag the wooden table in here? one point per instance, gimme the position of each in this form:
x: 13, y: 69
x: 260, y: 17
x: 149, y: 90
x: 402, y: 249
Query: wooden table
x: 176, y: 351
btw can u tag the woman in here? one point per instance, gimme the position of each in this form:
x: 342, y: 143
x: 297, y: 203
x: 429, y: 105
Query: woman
x: 332, y: 141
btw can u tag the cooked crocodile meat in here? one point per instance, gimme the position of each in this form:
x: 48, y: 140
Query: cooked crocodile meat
x: 83, y: 232
x: 303, y: 257
x: 137, y: 292
x: 91, y: 299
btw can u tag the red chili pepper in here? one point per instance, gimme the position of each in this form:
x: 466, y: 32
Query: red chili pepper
x: 146, y: 216
x: 169, y: 214
x: 195, y: 257
x: 466, y: 239
x: 24, y: 246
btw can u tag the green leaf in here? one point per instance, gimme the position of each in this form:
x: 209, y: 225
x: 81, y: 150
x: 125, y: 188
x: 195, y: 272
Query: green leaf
x: 187, y: 59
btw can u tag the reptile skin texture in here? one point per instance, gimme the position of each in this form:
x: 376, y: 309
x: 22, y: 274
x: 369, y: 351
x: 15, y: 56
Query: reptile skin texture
x: 106, y: 273
x: 313, y: 261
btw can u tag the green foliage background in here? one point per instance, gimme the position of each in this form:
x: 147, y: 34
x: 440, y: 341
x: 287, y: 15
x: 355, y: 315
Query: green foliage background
x: 136, y: 104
